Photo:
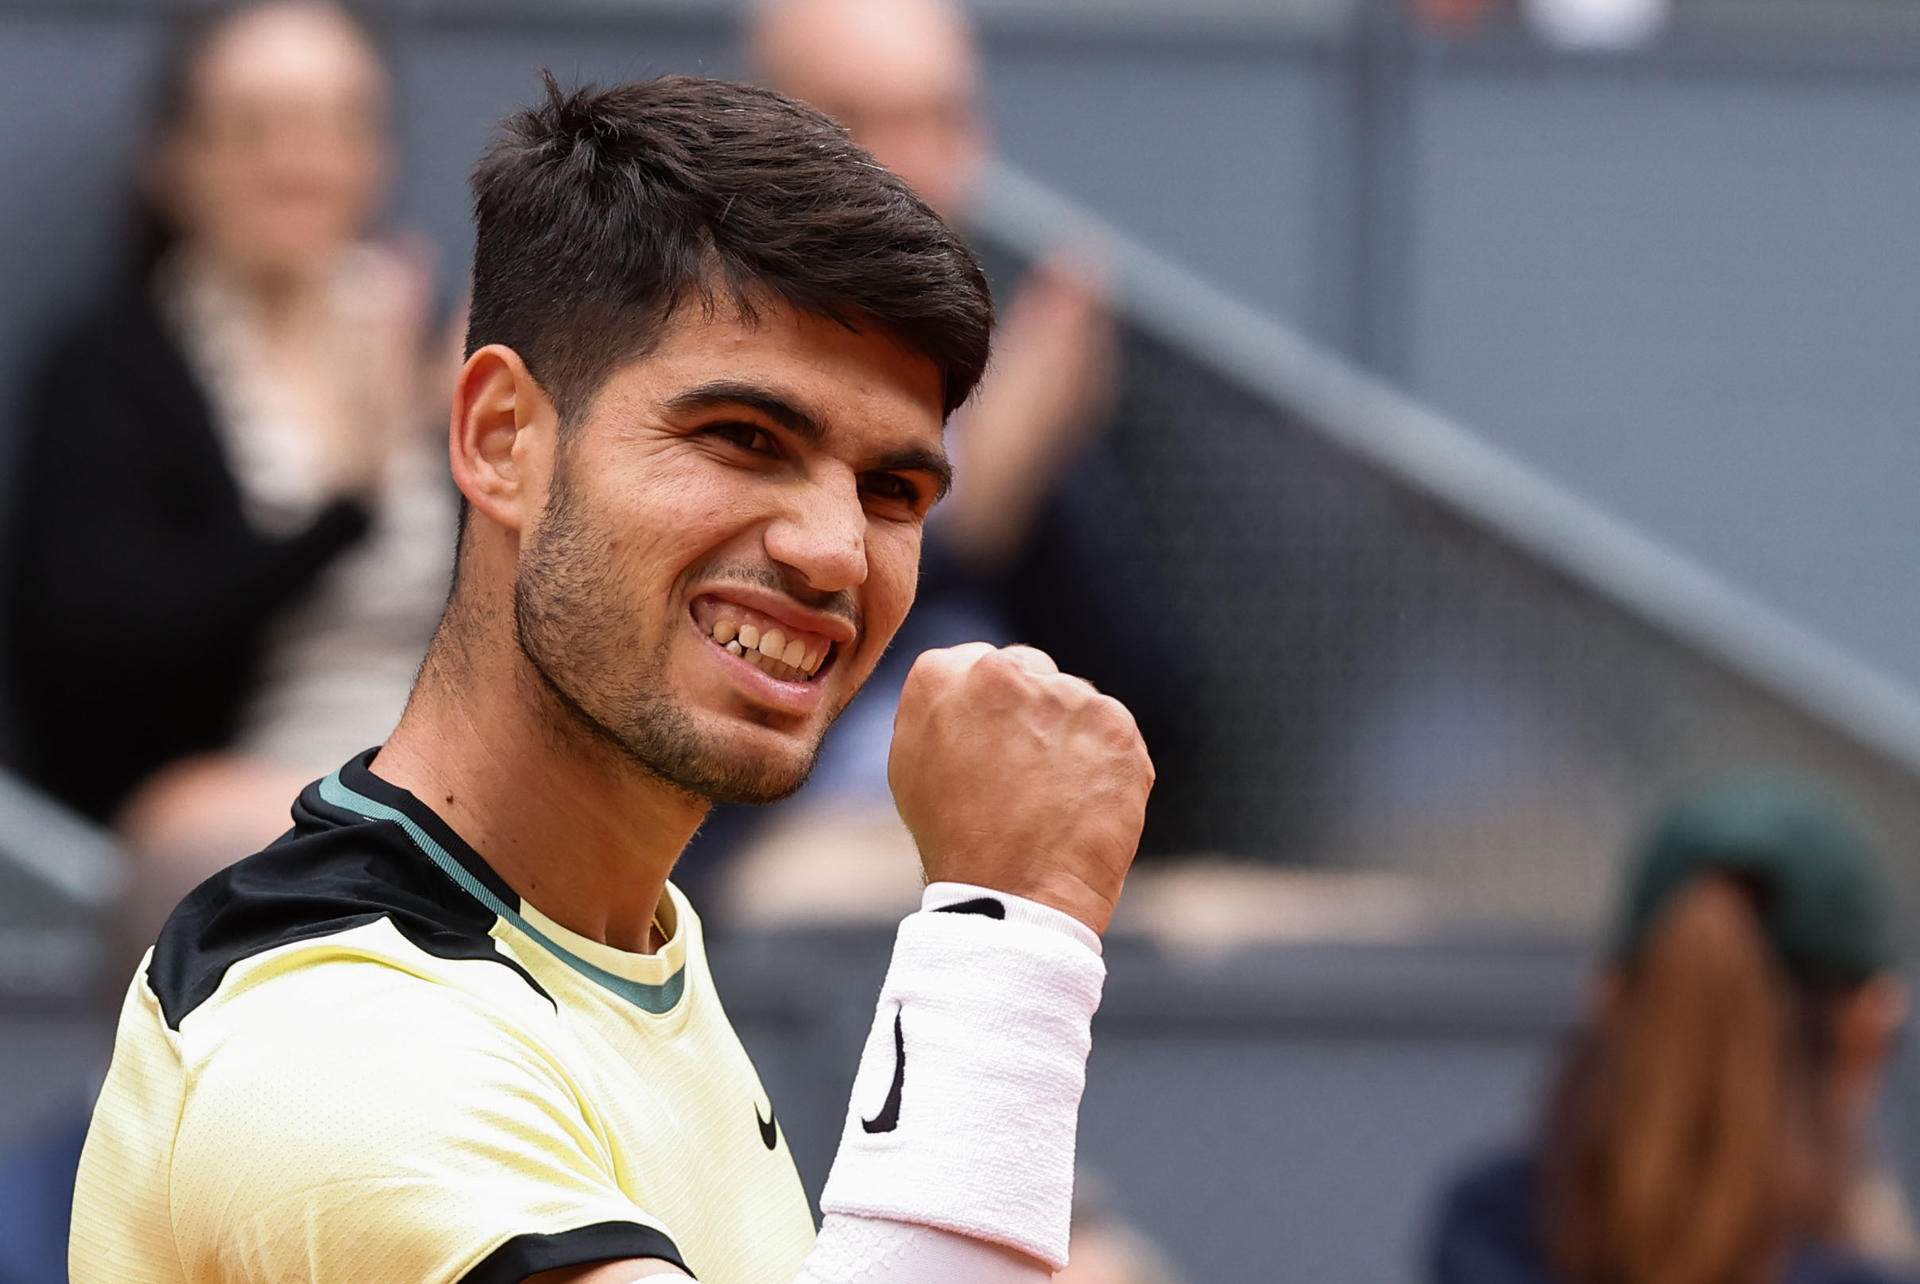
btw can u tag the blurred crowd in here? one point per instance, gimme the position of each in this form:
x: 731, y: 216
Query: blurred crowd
x: 234, y: 525
x: 233, y: 520
x: 233, y: 529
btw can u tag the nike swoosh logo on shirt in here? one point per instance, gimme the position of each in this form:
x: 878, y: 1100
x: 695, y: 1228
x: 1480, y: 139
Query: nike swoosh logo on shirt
x: 769, y: 1127
x: 889, y: 1117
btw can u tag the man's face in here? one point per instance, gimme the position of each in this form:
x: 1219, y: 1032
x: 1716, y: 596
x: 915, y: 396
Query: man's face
x: 730, y: 539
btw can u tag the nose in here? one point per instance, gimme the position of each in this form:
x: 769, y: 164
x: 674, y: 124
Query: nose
x: 822, y: 534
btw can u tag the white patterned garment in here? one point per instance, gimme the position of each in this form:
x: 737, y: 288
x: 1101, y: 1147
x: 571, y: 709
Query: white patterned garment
x: 339, y: 665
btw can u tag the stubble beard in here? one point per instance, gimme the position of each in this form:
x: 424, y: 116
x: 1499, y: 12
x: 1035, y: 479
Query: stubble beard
x: 571, y: 629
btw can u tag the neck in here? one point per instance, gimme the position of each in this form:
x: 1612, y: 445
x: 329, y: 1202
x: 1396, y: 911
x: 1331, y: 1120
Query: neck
x: 571, y: 823
x: 284, y: 304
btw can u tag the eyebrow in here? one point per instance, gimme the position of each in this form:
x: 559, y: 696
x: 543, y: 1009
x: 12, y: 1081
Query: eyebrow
x: 732, y: 392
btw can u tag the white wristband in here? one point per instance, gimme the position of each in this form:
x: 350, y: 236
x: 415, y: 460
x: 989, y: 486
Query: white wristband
x: 967, y: 1099
x: 865, y: 1250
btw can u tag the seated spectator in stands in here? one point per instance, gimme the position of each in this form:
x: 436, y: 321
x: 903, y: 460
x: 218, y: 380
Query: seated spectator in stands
x: 1105, y: 1249
x: 1022, y: 548
x: 903, y: 77
x: 1711, y: 1125
x: 38, y: 1168
x: 234, y: 520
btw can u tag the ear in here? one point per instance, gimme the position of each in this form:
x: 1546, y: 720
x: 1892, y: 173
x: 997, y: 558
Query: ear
x: 500, y: 442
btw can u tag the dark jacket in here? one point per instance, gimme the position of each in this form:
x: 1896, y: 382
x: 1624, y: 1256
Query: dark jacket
x: 138, y: 595
x: 1488, y: 1232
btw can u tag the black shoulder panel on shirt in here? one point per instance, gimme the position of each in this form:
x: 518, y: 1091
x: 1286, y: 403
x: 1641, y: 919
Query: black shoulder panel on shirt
x: 525, y: 1255
x: 333, y: 871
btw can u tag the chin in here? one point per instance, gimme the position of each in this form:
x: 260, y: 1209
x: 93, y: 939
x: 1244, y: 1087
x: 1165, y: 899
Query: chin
x: 766, y: 777
x: 750, y: 783
x: 742, y: 764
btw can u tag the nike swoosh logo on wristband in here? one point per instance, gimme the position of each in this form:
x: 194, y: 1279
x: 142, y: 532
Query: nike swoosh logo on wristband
x: 985, y: 905
x: 889, y: 1117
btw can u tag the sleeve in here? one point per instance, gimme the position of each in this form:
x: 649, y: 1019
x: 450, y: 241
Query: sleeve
x: 396, y: 1129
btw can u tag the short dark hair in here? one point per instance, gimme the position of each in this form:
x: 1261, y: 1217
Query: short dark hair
x: 601, y: 211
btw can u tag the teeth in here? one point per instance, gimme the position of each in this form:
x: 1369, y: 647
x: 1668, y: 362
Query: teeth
x: 786, y: 658
x: 773, y: 667
x: 770, y: 666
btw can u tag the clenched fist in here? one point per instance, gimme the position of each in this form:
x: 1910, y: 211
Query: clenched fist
x: 1015, y: 776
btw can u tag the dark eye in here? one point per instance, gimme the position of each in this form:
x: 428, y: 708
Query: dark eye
x: 891, y: 488
x: 748, y: 437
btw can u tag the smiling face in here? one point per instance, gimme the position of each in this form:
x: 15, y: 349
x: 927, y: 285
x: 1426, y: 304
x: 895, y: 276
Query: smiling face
x: 729, y: 539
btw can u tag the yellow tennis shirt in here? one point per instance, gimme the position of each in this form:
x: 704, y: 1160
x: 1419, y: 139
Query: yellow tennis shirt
x: 359, y: 1056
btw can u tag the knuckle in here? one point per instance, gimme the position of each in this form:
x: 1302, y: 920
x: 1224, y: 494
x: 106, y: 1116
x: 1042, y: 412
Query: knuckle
x: 998, y: 666
x: 1115, y: 718
x: 1031, y: 656
x: 927, y: 674
x: 1062, y: 690
x: 943, y: 664
x: 955, y: 658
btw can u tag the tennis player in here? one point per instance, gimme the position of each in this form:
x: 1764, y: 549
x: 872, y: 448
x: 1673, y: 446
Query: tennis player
x: 457, y: 1024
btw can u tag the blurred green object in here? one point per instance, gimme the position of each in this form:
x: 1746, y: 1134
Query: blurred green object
x: 1823, y: 901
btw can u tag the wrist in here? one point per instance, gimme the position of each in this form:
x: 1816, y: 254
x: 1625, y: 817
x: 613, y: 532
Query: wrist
x: 966, y: 1104
x: 946, y: 897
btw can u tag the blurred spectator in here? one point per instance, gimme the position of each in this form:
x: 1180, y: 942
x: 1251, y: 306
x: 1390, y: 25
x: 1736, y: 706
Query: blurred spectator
x: 235, y: 525
x: 1710, y: 1127
x: 1588, y: 25
x: 1105, y: 1249
x: 903, y: 77
x: 1452, y: 17
x: 37, y: 1170
x: 1023, y: 549
x: 1597, y: 25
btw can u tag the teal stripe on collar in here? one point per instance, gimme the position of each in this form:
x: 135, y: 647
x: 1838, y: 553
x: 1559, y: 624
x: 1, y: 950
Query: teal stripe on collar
x: 656, y: 999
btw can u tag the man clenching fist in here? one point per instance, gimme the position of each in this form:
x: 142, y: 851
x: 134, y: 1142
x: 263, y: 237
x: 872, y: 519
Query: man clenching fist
x: 1025, y: 790
x: 1014, y: 776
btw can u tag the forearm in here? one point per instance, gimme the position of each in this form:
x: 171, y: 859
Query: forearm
x: 966, y: 1106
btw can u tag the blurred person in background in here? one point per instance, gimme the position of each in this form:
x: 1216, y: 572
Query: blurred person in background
x: 1106, y: 1249
x: 1711, y: 1126
x: 903, y: 76
x: 38, y: 1168
x: 1023, y: 548
x: 234, y: 524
